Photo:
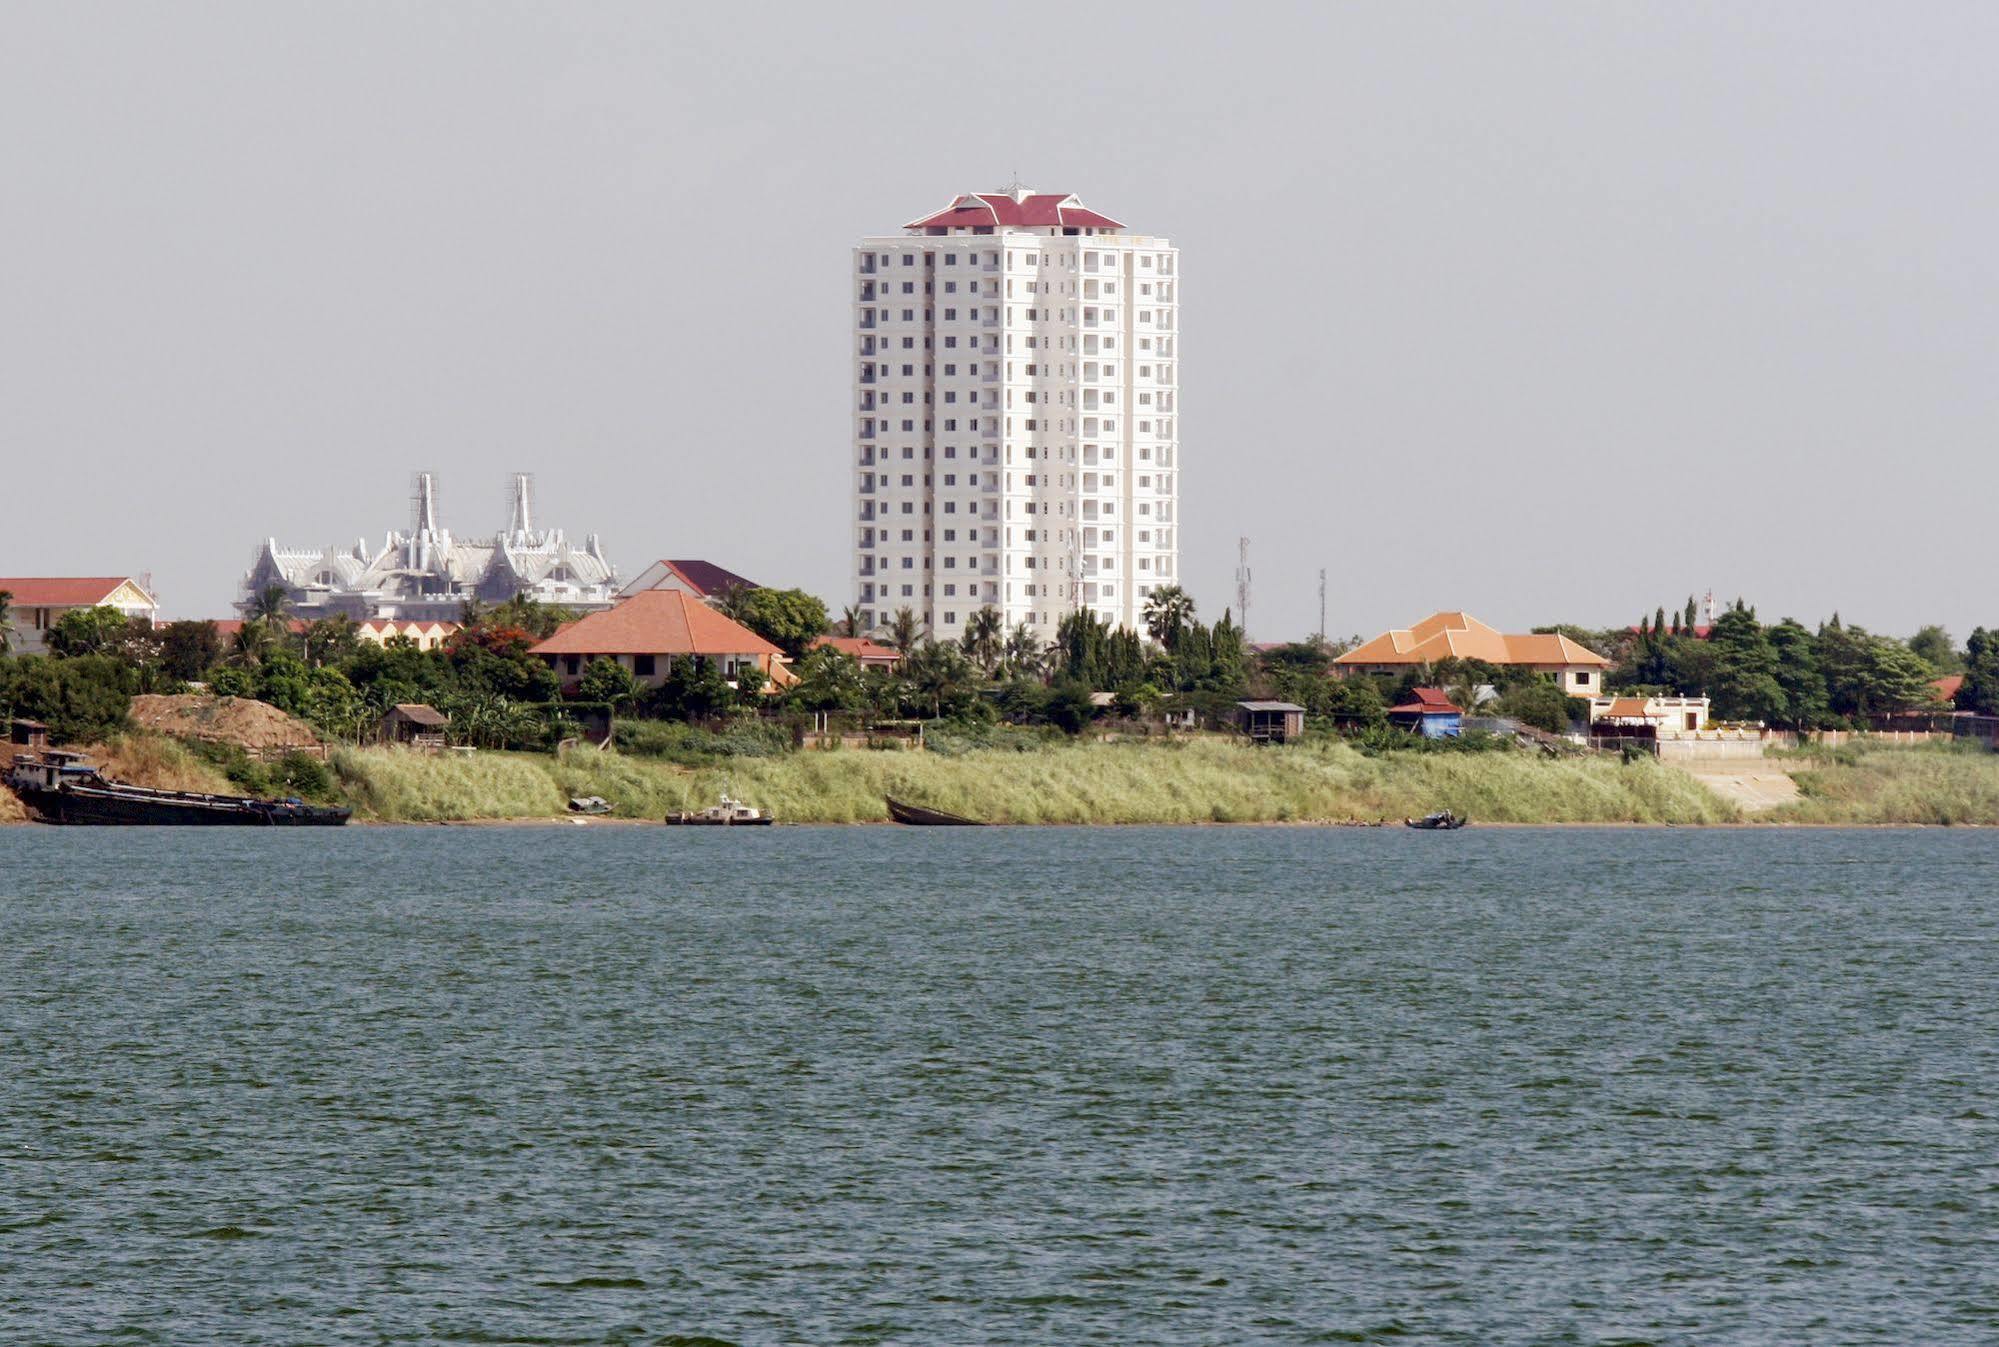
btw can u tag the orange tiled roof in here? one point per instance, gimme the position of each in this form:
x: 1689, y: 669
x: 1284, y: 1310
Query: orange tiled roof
x: 657, y: 622
x: 1626, y: 708
x: 860, y: 647
x: 1442, y: 636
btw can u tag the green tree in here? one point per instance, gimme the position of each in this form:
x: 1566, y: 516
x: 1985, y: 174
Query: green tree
x: 1744, y: 683
x: 190, y: 649
x: 940, y: 675
x: 828, y: 680
x: 1935, y: 648
x: 607, y: 681
x: 905, y: 629
x: 88, y: 631
x: 1805, y: 703
x: 984, y: 637
x: 790, y: 619
x: 1025, y: 655
x: 850, y: 621
x: 6, y: 620
x: 1168, y: 612
x: 79, y: 699
x: 1538, y: 702
x: 1868, y: 675
x: 694, y: 687
x: 1980, y: 692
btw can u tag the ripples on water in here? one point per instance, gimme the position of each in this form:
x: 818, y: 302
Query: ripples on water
x: 1120, y: 1086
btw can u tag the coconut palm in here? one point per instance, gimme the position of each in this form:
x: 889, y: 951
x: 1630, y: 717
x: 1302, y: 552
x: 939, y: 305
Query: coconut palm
x: 254, y: 643
x: 1024, y: 654
x: 905, y: 629
x: 271, y: 606
x: 850, y: 622
x: 1168, y: 610
x: 985, y: 638
x: 735, y: 601
x: 934, y: 670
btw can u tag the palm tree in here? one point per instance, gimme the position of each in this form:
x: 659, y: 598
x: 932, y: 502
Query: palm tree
x: 935, y: 669
x: 905, y: 629
x: 271, y: 606
x: 253, y: 643
x: 1168, y: 610
x: 850, y: 621
x: 984, y: 637
x: 472, y: 612
x: 6, y: 620
x: 734, y: 601
x: 1024, y: 654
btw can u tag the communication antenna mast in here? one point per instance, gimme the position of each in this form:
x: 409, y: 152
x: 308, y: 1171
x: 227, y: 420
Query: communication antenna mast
x: 1242, y: 586
x: 1322, y: 603
x: 1710, y: 608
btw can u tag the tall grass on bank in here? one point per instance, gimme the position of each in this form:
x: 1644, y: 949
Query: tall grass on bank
x: 1180, y: 781
x: 401, y: 786
x: 1865, y: 783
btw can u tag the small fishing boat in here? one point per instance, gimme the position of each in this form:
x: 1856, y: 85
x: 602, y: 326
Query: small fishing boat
x: 916, y: 816
x: 589, y: 804
x: 1441, y: 821
x: 63, y: 787
x: 730, y: 813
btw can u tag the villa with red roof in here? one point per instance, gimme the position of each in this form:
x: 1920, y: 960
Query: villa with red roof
x: 648, y: 632
x: 38, y: 602
x: 1441, y: 636
x: 868, y: 654
x: 703, y: 579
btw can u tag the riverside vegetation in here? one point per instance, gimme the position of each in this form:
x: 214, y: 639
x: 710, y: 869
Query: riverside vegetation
x: 1013, y: 732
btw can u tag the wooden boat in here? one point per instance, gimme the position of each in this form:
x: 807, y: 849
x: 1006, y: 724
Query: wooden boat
x: 1441, y: 821
x: 730, y: 813
x: 62, y: 787
x: 916, y: 816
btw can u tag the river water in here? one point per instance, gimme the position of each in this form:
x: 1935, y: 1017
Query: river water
x: 998, y: 1086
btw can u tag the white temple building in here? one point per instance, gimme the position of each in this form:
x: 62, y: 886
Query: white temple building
x: 428, y: 575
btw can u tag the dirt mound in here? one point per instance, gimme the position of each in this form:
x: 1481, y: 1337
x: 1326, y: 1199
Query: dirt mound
x: 11, y: 809
x: 230, y: 720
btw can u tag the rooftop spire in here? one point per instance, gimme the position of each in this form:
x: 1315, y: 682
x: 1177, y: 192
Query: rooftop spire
x: 521, y: 522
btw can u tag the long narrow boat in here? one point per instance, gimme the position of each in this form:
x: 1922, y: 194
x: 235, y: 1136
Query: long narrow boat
x: 1443, y: 821
x: 916, y: 816
x: 62, y: 787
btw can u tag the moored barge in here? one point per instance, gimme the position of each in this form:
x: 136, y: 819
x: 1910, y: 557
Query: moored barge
x: 62, y: 787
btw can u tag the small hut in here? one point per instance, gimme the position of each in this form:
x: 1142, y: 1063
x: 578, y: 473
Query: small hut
x: 413, y: 724
x: 1270, y: 722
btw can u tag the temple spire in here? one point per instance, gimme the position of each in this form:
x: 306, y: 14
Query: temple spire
x: 520, y: 527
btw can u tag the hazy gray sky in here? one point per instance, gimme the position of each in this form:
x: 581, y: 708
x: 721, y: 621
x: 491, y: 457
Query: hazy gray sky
x: 1549, y: 312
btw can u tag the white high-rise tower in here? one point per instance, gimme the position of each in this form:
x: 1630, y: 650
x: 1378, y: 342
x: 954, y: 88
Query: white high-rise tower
x: 1015, y: 368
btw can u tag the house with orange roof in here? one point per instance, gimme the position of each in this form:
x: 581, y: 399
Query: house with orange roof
x: 38, y: 602
x: 868, y: 654
x: 650, y: 630
x: 1456, y: 635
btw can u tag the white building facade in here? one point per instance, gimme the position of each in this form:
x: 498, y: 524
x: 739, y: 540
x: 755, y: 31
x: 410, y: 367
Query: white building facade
x: 1015, y: 388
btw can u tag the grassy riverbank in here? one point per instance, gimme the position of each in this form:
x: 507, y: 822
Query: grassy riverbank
x: 1941, y: 783
x: 1202, y: 781
x: 1184, y: 781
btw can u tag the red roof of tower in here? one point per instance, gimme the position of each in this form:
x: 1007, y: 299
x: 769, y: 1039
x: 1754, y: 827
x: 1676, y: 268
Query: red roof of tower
x: 1040, y: 209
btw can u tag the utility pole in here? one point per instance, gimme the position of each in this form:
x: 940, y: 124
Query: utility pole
x: 1242, y: 586
x: 1322, y: 605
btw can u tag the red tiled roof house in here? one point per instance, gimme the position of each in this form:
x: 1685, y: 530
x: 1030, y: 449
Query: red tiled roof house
x: 1441, y: 636
x: 38, y: 602
x: 649, y: 631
